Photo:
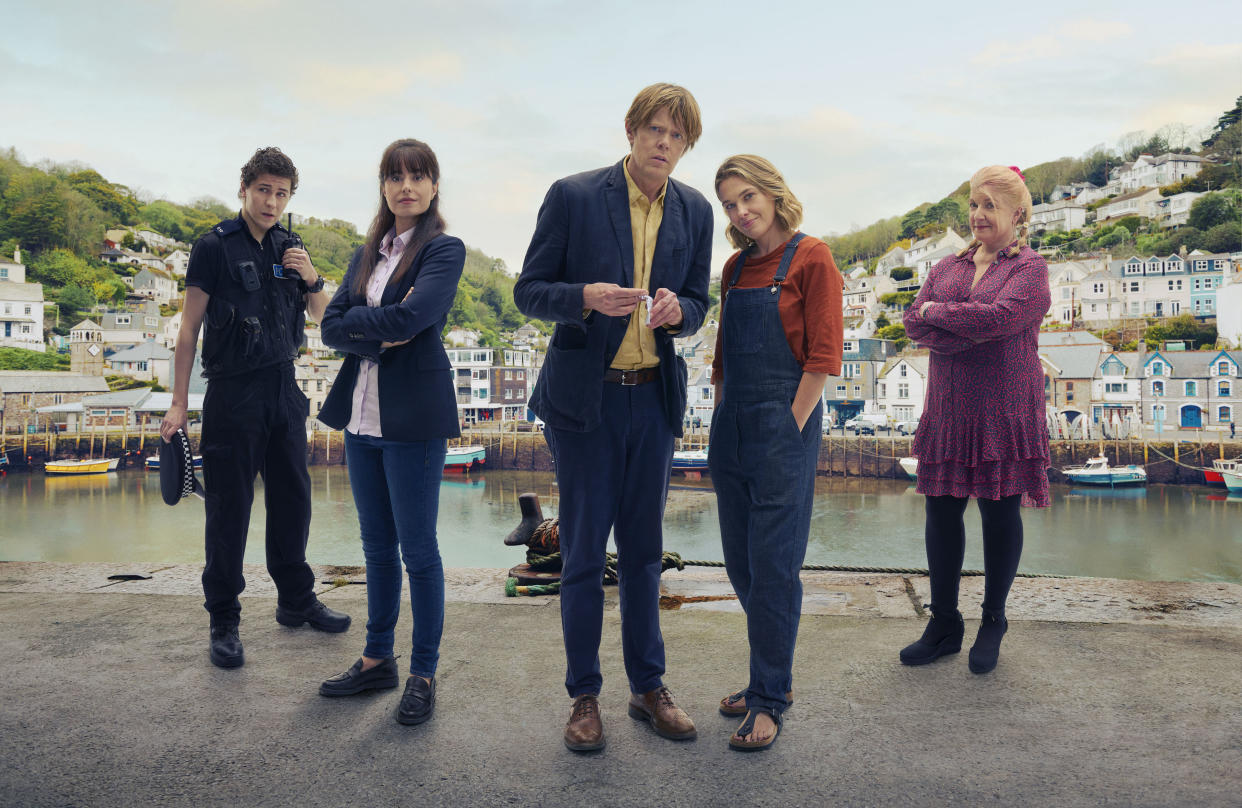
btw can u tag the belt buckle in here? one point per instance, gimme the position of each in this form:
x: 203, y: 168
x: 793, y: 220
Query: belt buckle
x: 627, y: 380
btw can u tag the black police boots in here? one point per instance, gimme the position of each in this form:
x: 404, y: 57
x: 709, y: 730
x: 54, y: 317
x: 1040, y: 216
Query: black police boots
x: 226, y: 646
x: 942, y: 636
x: 318, y: 615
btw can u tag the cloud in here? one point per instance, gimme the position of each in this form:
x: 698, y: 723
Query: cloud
x: 1051, y: 45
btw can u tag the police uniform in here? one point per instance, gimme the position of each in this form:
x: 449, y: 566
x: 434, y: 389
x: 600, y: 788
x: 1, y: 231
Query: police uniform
x: 254, y: 416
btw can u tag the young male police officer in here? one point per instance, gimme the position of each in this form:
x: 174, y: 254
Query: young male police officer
x: 619, y: 261
x: 252, y: 290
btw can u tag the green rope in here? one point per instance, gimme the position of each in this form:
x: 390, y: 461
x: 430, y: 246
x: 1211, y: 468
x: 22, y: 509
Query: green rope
x: 672, y: 560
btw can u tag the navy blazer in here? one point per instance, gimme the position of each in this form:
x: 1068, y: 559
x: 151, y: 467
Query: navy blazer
x: 583, y: 236
x: 417, y: 400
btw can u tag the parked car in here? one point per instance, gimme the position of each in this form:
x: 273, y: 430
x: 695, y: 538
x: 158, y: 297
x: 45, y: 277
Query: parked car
x: 868, y: 423
x: 906, y: 427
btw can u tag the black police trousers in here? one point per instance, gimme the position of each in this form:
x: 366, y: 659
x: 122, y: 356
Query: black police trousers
x: 255, y: 423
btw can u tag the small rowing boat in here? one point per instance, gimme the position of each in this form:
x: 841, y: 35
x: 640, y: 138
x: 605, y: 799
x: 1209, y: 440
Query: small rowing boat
x: 101, y: 466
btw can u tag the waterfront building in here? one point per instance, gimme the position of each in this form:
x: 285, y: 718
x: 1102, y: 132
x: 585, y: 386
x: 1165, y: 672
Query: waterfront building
x: 23, y: 392
x: 902, y: 386
x: 21, y: 313
x: 856, y: 389
x: 1116, y: 388
x: 1192, y: 389
x: 314, y: 378
x: 488, y: 390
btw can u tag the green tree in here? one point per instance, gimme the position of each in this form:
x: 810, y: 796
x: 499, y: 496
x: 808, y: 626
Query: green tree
x: 911, y: 222
x: 1210, y: 210
x: 118, y: 204
x: 1226, y: 237
x: 901, y: 273
x: 60, y: 267
x: 1130, y: 223
x: 36, y: 212
x: 73, y: 298
x: 23, y: 359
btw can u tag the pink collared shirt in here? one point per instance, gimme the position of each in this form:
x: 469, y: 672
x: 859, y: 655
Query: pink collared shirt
x: 365, y: 417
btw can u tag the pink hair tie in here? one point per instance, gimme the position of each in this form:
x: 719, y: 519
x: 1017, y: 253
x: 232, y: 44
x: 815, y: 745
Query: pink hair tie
x: 1017, y: 171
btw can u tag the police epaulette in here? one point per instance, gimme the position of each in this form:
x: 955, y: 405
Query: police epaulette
x: 227, y: 226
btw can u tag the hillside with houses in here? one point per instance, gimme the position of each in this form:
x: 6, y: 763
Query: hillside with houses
x: 1144, y: 247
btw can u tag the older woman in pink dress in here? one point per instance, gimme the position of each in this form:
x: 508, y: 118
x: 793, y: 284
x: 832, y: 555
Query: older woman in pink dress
x: 983, y: 432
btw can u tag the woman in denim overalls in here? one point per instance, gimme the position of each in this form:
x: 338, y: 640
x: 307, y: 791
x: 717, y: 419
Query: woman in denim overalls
x: 780, y: 338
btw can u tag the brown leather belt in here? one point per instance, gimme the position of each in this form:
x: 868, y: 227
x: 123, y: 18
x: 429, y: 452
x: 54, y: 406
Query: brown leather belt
x: 631, y: 377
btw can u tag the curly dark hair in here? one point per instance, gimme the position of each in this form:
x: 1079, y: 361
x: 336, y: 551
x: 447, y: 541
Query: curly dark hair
x: 270, y: 160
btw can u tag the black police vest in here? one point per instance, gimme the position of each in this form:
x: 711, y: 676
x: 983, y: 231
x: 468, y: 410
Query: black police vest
x: 254, y: 319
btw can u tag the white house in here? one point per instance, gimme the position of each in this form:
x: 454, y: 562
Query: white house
x: 21, y: 314
x: 940, y: 241
x: 14, y: 270
x: 1099, y: 298
x: 154, y: 239
x: 859, y: 293
x: 130, y: 327
x: 1151, y: 172
x: 1135, y: 203
x: 929, y: 260
x: 902, y: 385
x: 147, y: 361
x: 1173, y: 211
x: 895, y: 257
x: 1063, y: 215
x: 177, y: 263
x: 1064, y: 282
x: 155, y: 284
x: 1155, y: 286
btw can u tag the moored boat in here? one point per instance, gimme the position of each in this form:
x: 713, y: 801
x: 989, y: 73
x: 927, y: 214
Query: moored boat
x: 100, y: 466
x: 1233, y: 481
x: 1213, y: 476
x: 153, y: 462
x: 461, y: 459
x: 1096, y: 471
x: 910, y: 465
x: 695, y: 460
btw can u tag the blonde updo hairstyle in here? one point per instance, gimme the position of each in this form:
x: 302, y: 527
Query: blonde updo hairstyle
x: 1005, y: 185
x: 763, y: 175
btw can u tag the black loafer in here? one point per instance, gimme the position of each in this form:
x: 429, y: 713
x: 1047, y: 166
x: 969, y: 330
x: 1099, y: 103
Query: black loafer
x: 418, y: 701
x: 226, y: 647
x: 355, y: 680
x: 318, y: 615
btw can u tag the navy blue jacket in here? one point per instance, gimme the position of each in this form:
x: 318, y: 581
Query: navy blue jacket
x: 416, y: 396
x: 582, y: 236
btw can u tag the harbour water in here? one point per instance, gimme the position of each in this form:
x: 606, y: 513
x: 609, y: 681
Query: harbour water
x: 1156, y: 532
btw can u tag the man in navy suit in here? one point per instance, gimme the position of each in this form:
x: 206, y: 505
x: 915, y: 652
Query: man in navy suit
x: 619, y: 261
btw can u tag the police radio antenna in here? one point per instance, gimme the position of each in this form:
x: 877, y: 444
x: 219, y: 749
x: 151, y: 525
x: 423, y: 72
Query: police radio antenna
x: 290, y: 222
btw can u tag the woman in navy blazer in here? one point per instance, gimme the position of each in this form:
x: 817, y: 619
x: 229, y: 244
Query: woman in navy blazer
x: 394, y: 398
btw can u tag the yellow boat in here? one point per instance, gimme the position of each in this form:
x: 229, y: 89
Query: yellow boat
x: 101, y: 466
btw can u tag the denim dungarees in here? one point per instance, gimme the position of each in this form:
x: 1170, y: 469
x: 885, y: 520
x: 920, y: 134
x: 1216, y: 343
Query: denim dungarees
x: 763, y: 470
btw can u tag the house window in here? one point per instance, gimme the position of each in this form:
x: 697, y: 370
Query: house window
x: 521, y: 375
x: 1224, y: 415
x: 1065, y: 293
x: 1093, y: 308
x: 318, y: 385
x: 707, y: 394
x: 1069, y: 397
x: 841, y: 391
x: 142, y: 366
x: 1157, y: 388
x: 1191, y: 389
x: 1223, y: 389
x: 118, y: 412
x: 480, y: 394
x: 1069, y: 386
x: 1222, y: 369
x: 508, y: 393
x: 26, y: 329
x: 903, y: 371
x: 1115, y: 387
x: 858, y: 389
x: 305, y: 385
x: 58, y: 398
x: 1157, y: 368
x: 883, y: 391
x: 1134, y: 286
x: 480, y: 356
x: 4, y: 273
x: 122, y: 319
x: 27, y: 311
x: 903, y: 391
x: 508, y: 375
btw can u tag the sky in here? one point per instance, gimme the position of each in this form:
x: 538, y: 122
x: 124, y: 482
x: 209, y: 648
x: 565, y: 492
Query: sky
x: 868, y: 109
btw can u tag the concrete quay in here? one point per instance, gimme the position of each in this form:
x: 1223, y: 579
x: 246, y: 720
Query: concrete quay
x: 1108, y: 693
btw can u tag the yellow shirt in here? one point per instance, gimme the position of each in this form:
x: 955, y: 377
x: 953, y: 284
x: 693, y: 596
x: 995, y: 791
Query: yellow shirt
x: 638, y: 348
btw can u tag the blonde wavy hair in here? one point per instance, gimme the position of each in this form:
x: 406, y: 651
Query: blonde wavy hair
x: 1006, y: 185
x: 763, y: 175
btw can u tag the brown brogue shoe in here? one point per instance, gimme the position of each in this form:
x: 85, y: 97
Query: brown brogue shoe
x: 666, y: 718
x: 585, y: 730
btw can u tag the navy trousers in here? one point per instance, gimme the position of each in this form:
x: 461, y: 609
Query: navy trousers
x: 255, y: 424
x: 614, y: 478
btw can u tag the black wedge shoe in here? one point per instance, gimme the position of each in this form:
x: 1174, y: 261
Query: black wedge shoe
x: 986, y: 650
x: 942, y: 636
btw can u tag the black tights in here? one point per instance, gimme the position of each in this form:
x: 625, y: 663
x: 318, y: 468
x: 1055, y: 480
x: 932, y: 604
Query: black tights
x: 945, y: 537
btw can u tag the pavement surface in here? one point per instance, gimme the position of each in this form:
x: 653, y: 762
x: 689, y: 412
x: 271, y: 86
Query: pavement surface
x: 1114, y: 693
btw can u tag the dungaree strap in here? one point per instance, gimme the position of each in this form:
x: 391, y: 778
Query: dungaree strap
x: 781, y: 271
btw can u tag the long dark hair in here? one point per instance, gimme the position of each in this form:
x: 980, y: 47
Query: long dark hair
x: 415, y: 157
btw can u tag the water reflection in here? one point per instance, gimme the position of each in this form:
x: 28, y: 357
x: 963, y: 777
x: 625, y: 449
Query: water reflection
x: 1153, y: 532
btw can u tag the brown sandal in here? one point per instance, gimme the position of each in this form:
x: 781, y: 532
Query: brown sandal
x: 746, y: 728
x: 735, y: 703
